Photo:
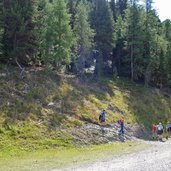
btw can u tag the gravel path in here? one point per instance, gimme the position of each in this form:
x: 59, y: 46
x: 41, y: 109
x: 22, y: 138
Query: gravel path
x: 156, y: 158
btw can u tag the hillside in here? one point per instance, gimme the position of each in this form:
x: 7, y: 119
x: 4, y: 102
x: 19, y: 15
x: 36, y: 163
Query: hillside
x: 47, y: 110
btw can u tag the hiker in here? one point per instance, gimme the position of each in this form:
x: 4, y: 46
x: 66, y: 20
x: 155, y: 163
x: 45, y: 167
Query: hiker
x: 102, y: 120
x: 102, y: 117
x: 168, y: 130
x: 159, y: 131
x: 154, y: 131
x: 121, y: 123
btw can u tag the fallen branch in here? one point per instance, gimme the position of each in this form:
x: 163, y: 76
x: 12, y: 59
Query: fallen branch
x: 22, y: 69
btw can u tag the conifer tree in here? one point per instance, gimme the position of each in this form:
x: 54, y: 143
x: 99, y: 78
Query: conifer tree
x: 58, y: 34
x: 118, y: 51
x: 134, y: 41
x: 19, y: 38
x: 72, y: 5
x: 151, y: 45
x: 166, y: 26
x: 84, y: 35
x: 121, y: 6
x: 161, y: 62
x: 113, y: 8
x: 103, y: 24
x: 1, y: 29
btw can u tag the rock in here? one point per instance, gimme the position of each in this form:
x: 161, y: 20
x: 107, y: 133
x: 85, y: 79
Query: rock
x: 95, y: 134
x: 3, y: 74
x: 51, y: 104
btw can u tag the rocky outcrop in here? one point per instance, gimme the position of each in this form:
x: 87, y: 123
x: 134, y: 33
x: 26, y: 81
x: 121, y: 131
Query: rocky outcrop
x: 95, y: 134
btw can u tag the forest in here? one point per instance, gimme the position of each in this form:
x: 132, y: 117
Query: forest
x: 63, y: 62
x: 116, y: 38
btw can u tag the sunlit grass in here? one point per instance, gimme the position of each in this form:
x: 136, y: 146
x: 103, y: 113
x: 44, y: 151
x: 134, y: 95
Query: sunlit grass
x: 66, y: 157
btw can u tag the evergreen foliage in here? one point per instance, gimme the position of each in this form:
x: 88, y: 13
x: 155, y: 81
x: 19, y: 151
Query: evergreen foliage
x: 121, y: 6
x: 19, y: 38
x: 1, y: 28
x: 84, y: 35
x: 127, y: 39
x: 72, y: 5
x: 58, y: 34
x: 103, y: 24
x: 113, y: 8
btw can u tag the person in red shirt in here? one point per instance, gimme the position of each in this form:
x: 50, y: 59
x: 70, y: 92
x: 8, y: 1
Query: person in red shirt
x: 121, y: 123
x: 154, y: 131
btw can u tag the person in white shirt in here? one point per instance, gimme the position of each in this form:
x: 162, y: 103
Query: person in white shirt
x: 160, y: 131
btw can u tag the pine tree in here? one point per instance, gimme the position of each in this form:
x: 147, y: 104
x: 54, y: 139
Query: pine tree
x: 19, y: 38
x: 84, y: 35
x: 166, y: 25
x: 133, y: 60
x: 113, y: 8
x: 121, y: 6
x: 58, y: 34
x: 40, y: 30
x: 1, y: 29
x: 118, y: 51
x: 163, y: 55
x: 72, y: 5
x: 151, y: 45
x: 103, y: 24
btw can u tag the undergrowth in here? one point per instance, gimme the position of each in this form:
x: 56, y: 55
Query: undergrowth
x: 35, y: 109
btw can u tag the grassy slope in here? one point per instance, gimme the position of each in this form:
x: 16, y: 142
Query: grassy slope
x: 29, y: 121
x: 67, y: 157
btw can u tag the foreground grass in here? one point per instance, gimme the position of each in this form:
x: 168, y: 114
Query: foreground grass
x: 65, y: 157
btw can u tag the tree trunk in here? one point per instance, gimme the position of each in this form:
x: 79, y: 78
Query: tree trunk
x: 132, y: 64
x: 148, y: 74
x: 99, y: 65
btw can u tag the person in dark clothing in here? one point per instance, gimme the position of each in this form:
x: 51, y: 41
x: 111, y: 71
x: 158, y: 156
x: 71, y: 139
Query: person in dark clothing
x: 168, y: 130
x: 102, y: 117
x: 102, y: 120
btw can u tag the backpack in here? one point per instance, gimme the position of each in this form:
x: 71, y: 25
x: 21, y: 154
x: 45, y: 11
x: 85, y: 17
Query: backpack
x: 159, y: 128
x: 120, y: 121
x: 100, y: 117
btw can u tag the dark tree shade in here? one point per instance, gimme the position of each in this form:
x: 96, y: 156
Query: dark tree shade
x: 121, y: 6
x: 19, y: 38
x: 113, y: 8
x: 1, y: 29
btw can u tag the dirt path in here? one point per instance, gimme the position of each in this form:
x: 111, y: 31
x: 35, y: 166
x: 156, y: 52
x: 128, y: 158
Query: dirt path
x: 156, y: 158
